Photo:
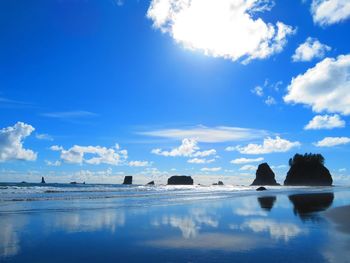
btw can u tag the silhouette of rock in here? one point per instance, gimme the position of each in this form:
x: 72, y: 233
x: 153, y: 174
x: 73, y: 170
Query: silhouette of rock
x: 151, y: 183
x: 43, y: 180
x: 267, y: 202
x: 308, y: 169
x: 180, y: 180
x: 264, y: 176
x: 218, y: 183
x: 306, y: 205
x: 73, y: 182
x: 261, y: 188
x: 23, y: 182
x: 127, y: 179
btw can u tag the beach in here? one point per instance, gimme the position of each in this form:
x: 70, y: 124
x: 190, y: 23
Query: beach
x: 115, y: 223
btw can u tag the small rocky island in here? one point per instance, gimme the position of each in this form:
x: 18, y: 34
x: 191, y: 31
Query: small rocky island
x: 264, y: 176
x: 308, y: 170
x: 127, y: 179
x: 180, y: 180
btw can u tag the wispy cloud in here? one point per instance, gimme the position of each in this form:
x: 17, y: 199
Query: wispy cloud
x: 208, y: 134
x: 70, y: 114
x: 332, y: 141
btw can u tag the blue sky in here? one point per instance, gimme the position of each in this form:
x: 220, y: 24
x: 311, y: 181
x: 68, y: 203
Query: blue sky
x: 95, y: 90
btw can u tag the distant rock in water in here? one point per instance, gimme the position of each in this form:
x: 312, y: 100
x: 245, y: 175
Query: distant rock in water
x: 73, y: 183
x: 306, y: 205
x: 127, y: 179
x: 180, y: 180
x: 43, y: 180
x: 308, y: 169
x: 264, y: 175
x: 218, y: 183
x: 261, y: 188
x: 23, y: 182
x: 267, y: 202
x: 151, y: 183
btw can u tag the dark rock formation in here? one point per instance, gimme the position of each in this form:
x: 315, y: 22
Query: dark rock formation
x: 261, y: 188
x: 180, y: 180
x: 308, y: 169
x: 73, y: 182
x: 306, y: 205
x: 218, y: 183
x: 127, y: 179
x: 264, y: 175
x: 151, y: 183
x: 267, y: 202
x: 43, y: 180
x: 23, y: 182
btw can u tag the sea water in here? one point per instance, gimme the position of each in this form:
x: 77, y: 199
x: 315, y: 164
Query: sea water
x: 119, y: 223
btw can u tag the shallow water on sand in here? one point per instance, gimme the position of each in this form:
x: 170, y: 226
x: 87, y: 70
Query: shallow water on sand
x: 98, y: 223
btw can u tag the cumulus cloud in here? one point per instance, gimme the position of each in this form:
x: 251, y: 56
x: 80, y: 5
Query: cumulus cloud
x: 139, y: 163
x: 207, y: 134
x: 11, y: 143
x: 332, y: 141
x: 258, y: 90
x: 212, y: 169
x: 270, y: 101
x: 327, y: 12
x: 188, y: 148
x: 324, y: 87
x: 325, y: 122
x: 200, y: 160
x: 228, y: 28
x: 51, y: 163
x: 100, y: 155
x: 311, y: 49
x: 248, y: 167
x: 269, y: 145
x: 246, y: 160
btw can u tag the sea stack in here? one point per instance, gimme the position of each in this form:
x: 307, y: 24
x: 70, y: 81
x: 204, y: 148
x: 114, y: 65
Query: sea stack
x: 150, y: 183
x: 127, y: 179
x: 180, y: 180
x: 308, y: 169
x: 264, y: 175
x: 43, y: 180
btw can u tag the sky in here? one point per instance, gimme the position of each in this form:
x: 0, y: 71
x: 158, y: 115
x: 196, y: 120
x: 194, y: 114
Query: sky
x: 96, y: 90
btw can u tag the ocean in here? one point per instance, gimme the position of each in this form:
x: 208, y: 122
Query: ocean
x: 137, y: 223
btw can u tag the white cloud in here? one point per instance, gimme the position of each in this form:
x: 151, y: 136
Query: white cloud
x: 325, y: 122
x: 200, y: 160
x: 11, y: 143
x: 230, y: 148
x: 50, y: 163
x: 269, y: 145
x: 270, y: 101
x: 248, y: 167
x: 69, y: 114
x: 139, y: 163
x: 76, y: 154
x: 258, y: 90
x: 324, y: 87
x: 246, y: 160
x: 44, y: 136
x: 228, y: 28
x: 207, y: 134
x: 188, y: 148
x: 332, y: 141
x: 213, y: 169
x: 312, y: 48
x: 327, y: 12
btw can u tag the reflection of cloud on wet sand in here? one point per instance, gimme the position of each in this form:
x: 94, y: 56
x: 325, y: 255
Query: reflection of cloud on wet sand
x: 338, y: 246
x: 249, y: 207
x: 276, y: 230
x: 9, y: 237
x: 190, y: 224
x: 211, y: 241
x: 87, y: 221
